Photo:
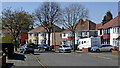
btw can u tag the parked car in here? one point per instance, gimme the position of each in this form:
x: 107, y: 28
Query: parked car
x: 72, y: 46
x: 40, y: 47
x: 102, y: 48
x: 22, y: 48
x: 47, y: 47
x: 27, y: 49
x: 64, y: 48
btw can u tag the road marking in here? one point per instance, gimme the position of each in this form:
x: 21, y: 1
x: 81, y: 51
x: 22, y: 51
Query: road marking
x: 38, y: 59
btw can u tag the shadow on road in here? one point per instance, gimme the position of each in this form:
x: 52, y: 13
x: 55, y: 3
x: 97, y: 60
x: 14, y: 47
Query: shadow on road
x: 18, y: 57
x: 9, y: 65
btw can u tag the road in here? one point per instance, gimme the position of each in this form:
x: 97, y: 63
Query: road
x: 74, y: 59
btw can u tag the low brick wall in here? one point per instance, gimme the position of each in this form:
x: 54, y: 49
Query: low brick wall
x: 115, y: 52
x: 85, y: 50
x: 55, y: 46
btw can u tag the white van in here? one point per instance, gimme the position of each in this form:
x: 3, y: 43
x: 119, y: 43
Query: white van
x: 88, y: 42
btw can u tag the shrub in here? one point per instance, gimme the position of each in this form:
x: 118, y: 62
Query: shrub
x: 30, y: 43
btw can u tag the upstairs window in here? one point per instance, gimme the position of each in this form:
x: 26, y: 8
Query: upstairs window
x: 30, y: 34
x: 118, y: 30
x: 35, y: 34
x: 108, y: 31
x: 64, y: 34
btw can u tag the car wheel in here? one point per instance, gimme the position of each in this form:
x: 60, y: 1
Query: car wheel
x: 91, y: 50
x: 111, y: 50
x: 32, y: 52
x: 25, y: 52
x: 21, y: 51
x: 97, y: 50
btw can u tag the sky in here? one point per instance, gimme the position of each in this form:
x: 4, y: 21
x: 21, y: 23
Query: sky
x: 97, y: 10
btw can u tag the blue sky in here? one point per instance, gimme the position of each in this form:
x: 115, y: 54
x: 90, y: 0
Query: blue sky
x: 97, y: 10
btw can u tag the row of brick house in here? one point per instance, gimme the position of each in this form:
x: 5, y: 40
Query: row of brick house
x: 108, y: 33
x: 84, y: 29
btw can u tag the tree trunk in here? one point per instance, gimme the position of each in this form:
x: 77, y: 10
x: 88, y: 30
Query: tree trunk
x: 73, y: 33
x: 15, y: 44
x: 49, y: 38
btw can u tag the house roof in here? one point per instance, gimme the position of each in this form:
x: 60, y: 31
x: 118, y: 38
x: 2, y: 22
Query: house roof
x: 117, y: 23
x: 38, y: 29
x: 111, y: 23
x: 42, y: 29
x: 83, y: 26
x: 98, y: 25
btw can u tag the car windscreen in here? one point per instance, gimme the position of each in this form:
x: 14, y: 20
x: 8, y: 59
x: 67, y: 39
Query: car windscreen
x: 45, y: 45
x: 100, y: 46
x: 30, y: 46
x: 65, y: 46
x: 40, y: 45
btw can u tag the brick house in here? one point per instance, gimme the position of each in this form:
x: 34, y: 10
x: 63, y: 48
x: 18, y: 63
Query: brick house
x: 110, y: 31
x: 23, y: 38
x: 84, y: 29
x: 39, y: 35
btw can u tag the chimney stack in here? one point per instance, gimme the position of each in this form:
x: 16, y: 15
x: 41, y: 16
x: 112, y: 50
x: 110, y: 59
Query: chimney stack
x: 81, y: 21
x: 119, y: 14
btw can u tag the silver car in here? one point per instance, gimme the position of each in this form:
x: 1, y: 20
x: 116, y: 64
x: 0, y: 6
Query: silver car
x: 64, y: 48
x: 102, y: 48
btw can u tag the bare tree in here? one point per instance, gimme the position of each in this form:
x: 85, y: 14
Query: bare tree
x: 71, y: 15
x: 48, y: 14
x: 15, y: 21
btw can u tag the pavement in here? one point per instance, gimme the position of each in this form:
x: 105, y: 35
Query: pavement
x: 24, y: 61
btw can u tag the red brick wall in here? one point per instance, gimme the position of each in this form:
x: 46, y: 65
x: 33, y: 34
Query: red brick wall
x: 115, y: 52
x: 85, y: 49
x: 23, y: 36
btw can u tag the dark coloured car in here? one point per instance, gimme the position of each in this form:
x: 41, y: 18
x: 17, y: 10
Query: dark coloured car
x: 47, y: 47
x: 27, y: 49
x: 72, y: 46
x: 22, y: 48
